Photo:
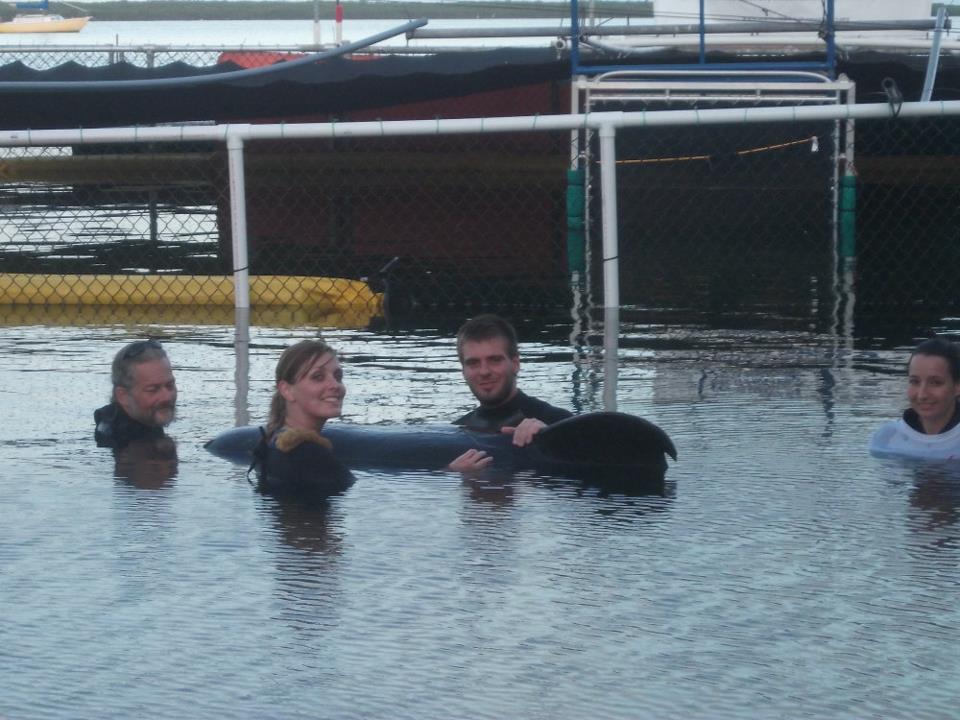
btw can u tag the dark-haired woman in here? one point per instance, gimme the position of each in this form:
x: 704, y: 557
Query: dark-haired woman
x: 294, y: 458
x: 930, y: 427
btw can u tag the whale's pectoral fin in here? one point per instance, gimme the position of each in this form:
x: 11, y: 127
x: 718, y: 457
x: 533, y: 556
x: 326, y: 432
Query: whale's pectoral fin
x: 608, y: 437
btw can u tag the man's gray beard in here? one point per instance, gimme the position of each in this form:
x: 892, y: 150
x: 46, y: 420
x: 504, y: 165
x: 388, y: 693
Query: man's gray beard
x: 173, y: 416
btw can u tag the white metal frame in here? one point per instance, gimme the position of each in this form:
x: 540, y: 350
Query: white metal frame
x: 676, y: 86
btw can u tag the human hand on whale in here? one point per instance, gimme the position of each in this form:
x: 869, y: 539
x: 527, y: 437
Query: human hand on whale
x: 471, y: 462
x: 474, y: 460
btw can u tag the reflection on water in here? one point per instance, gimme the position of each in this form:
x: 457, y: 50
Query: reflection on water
x: 777, y: 571
x: 149, y: 463
x: 936, y: 491
x: 493, y: 488
x: 305, y: 527
x: 308, y: 588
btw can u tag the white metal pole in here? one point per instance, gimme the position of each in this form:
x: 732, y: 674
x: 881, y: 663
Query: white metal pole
x: 316, y: 22
x: 338, y: 22
x: 611, y: 357
x: 238, y: 222
x: 608, y: 195
x: 531, y: 123
x: 611, y: 265
x: 241, y: 374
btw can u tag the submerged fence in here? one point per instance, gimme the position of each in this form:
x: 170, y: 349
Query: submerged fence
x: 729, y: 210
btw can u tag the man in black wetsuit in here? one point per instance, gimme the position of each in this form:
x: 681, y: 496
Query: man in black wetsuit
x: 490, y: 359
x: 144, y: 396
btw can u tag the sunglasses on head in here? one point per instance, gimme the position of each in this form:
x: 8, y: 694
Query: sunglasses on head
x: 138, y: 348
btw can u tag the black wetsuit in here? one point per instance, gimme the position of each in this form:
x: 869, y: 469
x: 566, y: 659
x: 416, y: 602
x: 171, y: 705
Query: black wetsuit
x: 519, y: 407
x: 308, y: 470
x: 115, y: 429
x: 911, y: 418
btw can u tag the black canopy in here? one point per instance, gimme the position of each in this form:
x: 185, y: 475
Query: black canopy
x: 121, y: 94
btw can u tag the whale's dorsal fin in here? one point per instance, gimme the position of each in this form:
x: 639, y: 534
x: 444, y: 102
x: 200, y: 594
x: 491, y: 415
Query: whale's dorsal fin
x: 617, y: 438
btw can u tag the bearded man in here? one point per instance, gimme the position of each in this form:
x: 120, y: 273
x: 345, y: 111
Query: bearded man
x: 144, y: 396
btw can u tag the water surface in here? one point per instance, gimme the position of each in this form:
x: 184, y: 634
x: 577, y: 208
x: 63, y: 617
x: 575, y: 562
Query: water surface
x: 783, y: 572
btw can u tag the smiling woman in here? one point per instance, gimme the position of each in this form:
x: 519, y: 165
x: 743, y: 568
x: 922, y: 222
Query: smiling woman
x: 930, y: 427
x: 292, y: 457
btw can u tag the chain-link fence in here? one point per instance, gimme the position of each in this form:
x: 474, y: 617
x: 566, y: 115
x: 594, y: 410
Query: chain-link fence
x: 737, y: 218
x: 458, y: 220
x: 451, y: 220
x: 743, y: 219
x: 45, y: 58
x: 447, y: 222
x: 908, y: 213
x: 726, y: 218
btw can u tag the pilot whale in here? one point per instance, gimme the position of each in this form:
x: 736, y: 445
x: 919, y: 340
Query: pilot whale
x: 599, y: 447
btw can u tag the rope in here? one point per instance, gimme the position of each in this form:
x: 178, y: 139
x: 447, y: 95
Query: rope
x: 739, y: 153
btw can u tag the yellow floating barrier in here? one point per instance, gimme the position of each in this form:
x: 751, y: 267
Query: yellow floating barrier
x: 316, y: 294
x: 138, y: 316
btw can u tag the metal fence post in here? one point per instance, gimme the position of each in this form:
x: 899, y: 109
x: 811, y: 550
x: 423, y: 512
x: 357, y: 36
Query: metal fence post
x: 611, y: 263
x: 608, y: 217
x: 238, y: 222
x: 241, y: 374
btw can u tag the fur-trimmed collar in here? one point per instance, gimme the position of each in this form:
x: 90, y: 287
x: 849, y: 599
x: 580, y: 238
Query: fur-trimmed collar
x: 289, y: 438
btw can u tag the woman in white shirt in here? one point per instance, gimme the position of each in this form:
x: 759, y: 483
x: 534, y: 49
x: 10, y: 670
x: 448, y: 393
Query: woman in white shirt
x: 930, y: 427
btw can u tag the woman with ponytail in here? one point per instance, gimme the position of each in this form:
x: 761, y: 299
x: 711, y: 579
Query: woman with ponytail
x: 294, y: 458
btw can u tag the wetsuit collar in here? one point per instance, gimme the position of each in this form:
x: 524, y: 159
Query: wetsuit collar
x: 115, y: 429
x: 492, y: 418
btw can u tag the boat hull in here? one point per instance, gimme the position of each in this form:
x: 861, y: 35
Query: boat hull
x: 44, y: 25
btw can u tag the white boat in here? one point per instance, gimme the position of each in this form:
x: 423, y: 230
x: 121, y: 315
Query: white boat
x: 807, y: 15
x: 788, y: 10
x: 43, y: 23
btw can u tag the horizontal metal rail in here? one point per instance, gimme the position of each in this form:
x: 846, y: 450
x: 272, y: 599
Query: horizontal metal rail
x: 784, y: 45
x: 613, y: 85
x: 799, y: 26
x: 530, y: 123
x: 795, y: 77
x: 672, y: 96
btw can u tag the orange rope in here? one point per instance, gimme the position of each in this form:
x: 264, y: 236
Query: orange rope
x: 691, y: 158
